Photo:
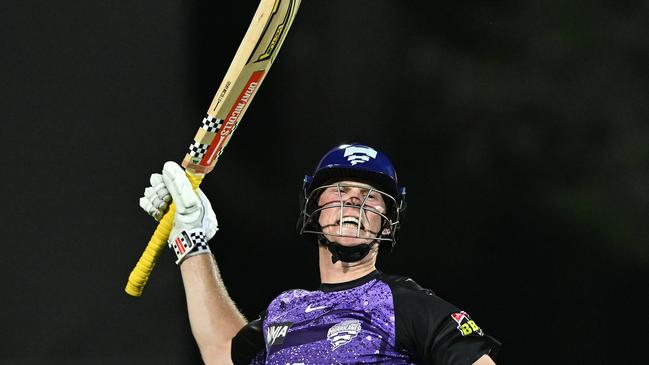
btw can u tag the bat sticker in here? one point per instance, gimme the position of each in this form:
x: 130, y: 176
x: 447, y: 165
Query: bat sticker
x: 233, y: 118
x: 211, y: 124
x: 197, y: 149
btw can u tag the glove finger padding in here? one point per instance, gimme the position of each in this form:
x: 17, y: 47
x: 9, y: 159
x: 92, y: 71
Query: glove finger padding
x: 148, y: 207
x: 153, y: 196
x: 160, y: 189
x: 151, y: 209
x: 156, y: 198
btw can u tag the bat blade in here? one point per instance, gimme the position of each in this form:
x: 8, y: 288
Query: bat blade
x: 249, y: 67
x: 240, y: 84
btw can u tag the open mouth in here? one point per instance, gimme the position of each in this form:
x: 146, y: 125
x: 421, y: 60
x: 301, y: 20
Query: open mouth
x: 351, y: 222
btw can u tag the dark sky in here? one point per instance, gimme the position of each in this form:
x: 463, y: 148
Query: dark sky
x: 519, y: 129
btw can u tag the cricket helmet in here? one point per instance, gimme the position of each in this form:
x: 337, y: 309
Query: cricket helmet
x: 355, y: 162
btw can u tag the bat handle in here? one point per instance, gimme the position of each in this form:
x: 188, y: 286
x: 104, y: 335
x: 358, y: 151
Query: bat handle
x: 140, y: 274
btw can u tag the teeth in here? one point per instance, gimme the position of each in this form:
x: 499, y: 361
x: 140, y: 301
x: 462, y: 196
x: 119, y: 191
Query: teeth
x: 350, y: 220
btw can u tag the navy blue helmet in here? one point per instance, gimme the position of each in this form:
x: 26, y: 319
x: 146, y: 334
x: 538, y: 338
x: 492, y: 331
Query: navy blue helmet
x: 355, y: 162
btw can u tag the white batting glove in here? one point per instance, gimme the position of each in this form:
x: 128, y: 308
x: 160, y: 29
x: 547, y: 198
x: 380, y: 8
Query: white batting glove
x: 194, y: 223
x: 156, y: 198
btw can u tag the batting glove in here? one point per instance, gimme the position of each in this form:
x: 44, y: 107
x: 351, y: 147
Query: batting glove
x: 156, y: 198
x: 194, y: 222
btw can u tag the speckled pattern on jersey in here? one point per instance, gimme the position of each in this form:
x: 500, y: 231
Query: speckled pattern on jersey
x: 356, y: 325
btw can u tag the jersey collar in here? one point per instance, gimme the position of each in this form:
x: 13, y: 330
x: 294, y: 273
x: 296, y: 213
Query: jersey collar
x: 350, y: 284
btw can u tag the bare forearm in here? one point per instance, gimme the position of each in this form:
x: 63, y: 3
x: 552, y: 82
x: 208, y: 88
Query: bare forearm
x: 213, y: 316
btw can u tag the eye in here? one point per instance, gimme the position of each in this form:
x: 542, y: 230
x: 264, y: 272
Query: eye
x: 332, y: 193
x: 331, y: 190
x: 370, y: 194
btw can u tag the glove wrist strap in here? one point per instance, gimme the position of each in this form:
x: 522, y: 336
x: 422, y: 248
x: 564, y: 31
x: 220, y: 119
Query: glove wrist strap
x: 189, y: 243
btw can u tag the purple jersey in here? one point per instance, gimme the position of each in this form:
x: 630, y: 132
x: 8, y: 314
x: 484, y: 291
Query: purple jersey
x: 375, y: 319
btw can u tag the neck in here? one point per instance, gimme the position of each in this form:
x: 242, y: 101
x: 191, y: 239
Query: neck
x: 341, y: 272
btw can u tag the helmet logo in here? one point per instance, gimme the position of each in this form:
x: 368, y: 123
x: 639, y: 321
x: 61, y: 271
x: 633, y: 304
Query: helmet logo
x: 356, y: 155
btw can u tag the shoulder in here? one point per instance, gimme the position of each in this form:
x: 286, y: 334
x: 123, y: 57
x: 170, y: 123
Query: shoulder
x: 432, y: 329
x: 288, y: 297
x: 291, y: 294
x: 407, y: 292
x: 249, y: 342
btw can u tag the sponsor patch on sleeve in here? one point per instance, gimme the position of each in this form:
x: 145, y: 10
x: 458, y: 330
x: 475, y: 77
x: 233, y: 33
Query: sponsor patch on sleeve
x: 465, y: 324
x: 276, y: 333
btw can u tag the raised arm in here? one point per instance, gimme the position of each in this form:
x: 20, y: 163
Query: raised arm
x: 213, y: 316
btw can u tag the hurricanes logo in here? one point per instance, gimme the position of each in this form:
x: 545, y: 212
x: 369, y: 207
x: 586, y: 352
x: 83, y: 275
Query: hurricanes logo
x: 356, y: 155
x: 276, y: 333
x: 343, y: 332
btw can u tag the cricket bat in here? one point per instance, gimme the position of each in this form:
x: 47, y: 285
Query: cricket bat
x: 248, y: 69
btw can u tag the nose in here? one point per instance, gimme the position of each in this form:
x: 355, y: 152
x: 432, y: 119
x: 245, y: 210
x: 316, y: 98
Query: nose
x: 353, y: 196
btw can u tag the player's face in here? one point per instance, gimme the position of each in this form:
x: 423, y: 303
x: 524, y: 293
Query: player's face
x: 350, y: 215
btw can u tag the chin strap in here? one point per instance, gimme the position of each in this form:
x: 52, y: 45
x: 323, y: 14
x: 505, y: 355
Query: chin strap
x: 345, y: 253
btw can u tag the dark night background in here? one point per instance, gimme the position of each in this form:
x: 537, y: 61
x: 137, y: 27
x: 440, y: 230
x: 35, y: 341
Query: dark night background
x: 520, y: 130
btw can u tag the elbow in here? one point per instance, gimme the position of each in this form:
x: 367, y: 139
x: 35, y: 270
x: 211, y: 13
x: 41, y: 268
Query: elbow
x: 216, y: 354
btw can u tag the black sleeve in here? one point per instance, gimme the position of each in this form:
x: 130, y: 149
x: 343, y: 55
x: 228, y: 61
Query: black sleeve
x: 434, y: 331
x: 461, y: 343
x: 248, y: 345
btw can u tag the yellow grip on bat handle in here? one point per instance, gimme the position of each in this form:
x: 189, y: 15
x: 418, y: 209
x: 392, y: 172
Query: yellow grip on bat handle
x: 140, y: 274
